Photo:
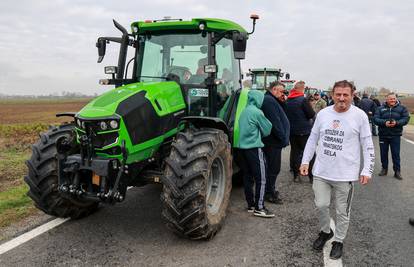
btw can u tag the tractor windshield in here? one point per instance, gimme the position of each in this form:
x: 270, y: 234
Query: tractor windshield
x: 181, y: 54
x: 259, y: 80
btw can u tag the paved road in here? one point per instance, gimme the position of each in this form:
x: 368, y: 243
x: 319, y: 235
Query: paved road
x: 132, y: 233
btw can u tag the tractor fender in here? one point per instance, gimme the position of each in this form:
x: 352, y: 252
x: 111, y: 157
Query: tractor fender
x: 207, y: 122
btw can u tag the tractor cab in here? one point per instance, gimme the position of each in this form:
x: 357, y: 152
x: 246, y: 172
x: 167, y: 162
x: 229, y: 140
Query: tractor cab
x: 288, y: 84
x: 201, y: 55
x: 262, y: 77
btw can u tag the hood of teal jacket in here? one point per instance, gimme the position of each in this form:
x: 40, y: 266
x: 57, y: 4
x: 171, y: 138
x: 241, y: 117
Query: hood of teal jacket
x: 255, y: 97
x: 253, y: 124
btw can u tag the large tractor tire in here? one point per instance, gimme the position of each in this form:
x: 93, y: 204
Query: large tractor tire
x: 197, y: 183
x: 42, y: 178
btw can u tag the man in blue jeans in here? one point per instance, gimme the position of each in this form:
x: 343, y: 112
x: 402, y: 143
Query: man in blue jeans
x: 390, y: 118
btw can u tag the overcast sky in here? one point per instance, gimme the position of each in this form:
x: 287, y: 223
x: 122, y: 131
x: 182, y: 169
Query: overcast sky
x: 49, y: 46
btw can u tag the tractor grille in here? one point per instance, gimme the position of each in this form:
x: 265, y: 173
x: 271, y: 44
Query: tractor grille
x: 99, y: 140
x: 102, y: 140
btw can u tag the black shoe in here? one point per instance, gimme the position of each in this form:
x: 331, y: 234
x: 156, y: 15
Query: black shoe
x: 336, y: 251
x: 321, y: 240
x: 264, y: 213
x: 411, y: 221
x: 296, y: 179
x: 383, y: 172
x: 273, y: 198
x: 397, y: 175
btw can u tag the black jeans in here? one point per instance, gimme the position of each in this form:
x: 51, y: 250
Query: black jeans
x: 297, y: 146
x: 253, y: 165
x: 273, y: 160
x: 393, y: 142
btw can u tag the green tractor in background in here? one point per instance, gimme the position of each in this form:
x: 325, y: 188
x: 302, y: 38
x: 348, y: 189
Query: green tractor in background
x: 172, y: 120
x: 262, y: 77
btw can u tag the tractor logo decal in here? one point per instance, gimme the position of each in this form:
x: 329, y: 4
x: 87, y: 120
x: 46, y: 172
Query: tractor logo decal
x: 199, y: 92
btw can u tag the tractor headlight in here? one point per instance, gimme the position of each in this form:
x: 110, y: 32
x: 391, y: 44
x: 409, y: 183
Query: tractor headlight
x: 83, y: 125
x: 78, y: 122
x: 103, y: 125
x: 113, y: 124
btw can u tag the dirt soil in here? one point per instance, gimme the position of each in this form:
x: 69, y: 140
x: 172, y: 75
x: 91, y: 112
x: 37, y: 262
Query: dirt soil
x: 41, y: 111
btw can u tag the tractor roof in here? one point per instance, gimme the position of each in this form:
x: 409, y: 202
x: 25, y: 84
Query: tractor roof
x: 263, y: 69
x: 215, y: 25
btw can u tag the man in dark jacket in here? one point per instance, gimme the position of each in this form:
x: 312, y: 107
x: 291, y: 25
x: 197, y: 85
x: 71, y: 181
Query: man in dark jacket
x: 299, y: 113
x: 369, y: 107
x: 390, y: 118
x: 278, y: 138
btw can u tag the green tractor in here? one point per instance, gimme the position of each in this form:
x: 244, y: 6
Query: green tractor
x: 172, y: 120
x: 262, y: 77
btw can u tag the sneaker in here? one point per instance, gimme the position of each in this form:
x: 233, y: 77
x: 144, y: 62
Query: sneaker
x: 321, y: 240
x: 411, y: 221
x: 383, y: 172
x: 265, y: 213
x: 397, y: 175
x: 273, y: 198
x: 336, y: 251
x: 250, y: 209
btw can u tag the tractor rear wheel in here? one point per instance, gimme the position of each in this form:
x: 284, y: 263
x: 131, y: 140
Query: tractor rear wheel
x: 42, y: 177
x: 197, y: 183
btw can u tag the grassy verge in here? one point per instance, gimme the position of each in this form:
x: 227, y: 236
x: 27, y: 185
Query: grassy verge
x: 411, y: 122
x: 15, y: 141
x: 15, y: 205
x: 12, y: 167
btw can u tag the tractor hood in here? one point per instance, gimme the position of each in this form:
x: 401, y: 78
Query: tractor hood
x: 106, y: 105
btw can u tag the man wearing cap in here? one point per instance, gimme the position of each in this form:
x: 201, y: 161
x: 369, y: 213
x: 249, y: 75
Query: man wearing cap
x: 319, y: 103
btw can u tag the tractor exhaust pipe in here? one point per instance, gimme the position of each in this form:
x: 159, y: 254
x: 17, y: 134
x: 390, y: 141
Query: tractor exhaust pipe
x: 122, y: 52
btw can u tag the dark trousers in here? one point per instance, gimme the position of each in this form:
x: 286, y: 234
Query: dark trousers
x: 297, y: 146
x: 253, y: 166
x: 393, y: 142
x: 374, y: 129
x: 373, y: 126
x: 273, y: 160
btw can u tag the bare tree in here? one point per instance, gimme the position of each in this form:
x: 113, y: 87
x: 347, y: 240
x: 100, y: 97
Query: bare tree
x: 370, y: 90
x: 384, y: 91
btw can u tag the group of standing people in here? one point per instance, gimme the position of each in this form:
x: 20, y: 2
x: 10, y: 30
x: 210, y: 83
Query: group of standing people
x: 326, y: 148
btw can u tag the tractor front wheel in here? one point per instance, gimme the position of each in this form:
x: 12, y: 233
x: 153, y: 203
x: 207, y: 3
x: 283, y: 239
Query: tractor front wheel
x: 197, y: 183
x: 42, y: 177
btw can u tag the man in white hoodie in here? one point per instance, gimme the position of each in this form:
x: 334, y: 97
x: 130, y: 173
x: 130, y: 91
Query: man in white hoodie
x: 338, y: 135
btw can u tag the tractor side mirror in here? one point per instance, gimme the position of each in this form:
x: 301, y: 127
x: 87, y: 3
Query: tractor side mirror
x: 287, y: 76
x: 101, y: 45
x: 111, y: 70
x: 239, y: 44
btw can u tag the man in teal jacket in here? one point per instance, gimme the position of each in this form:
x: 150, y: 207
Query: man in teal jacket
x: 253, y: 126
